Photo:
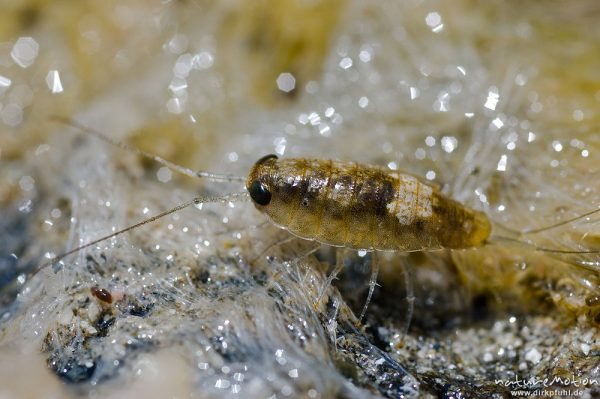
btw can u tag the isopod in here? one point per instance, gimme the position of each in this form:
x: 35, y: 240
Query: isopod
x: 345, y: 204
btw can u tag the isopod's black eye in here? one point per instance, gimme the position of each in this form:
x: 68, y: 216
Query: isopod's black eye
x: 259, y: 193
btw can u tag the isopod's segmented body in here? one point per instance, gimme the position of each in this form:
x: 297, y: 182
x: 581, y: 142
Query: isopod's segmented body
x: 361, y: 207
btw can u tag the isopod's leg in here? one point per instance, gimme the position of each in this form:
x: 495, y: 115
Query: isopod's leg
x: 314, y: 247
x: 372, y: 283
x: 311, y: 250
x: 339, y: 265
x: 283, y: 241
x: 410, y: 296
x: 302, y: 270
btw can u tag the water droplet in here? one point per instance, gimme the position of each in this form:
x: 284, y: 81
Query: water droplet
x: 324, y: 130
x: 414, y: 93
x: 434, y: 21
x: 497, y: 123
x: 53, y: 82
x: 449, y: 143
x: 520, y: 79
x: 12, y: 115
x: 222, y: 383
x: 364, y: 55
x: 492, y: 99
x: 286, y: 82
x: 314, y: 118
x: 363, y: 102
x: 420, y: 153
x: 178, y: 44
x: 346, y: 63
x: 203, y: 60
x: 280, y: 144
x: 203, y: 366
x: 183, y: 65
x: 178, y: 86
x: 502, y: 163
x: 25, y: 51
x: 175, y: 106
x: 164, y: 174
x: 557, y: 146
x: 286, y: 390
x: 4, y: 84
x: 232, y: 157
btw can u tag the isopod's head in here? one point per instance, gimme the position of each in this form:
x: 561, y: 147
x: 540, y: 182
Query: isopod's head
x: 260, y: 182
x: 278, y: 188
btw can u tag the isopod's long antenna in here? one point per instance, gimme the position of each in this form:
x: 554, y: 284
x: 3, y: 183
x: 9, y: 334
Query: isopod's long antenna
x: 543, y: 249
x: 564, y: 222
x: 549, y: 227
x: 162, y: 161
x: 234, y: 197
x: 518, y: 234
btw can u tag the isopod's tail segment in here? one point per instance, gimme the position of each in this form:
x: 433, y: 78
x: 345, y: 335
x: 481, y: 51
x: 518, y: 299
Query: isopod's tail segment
x: 156, y: 158
x: 234, y: 197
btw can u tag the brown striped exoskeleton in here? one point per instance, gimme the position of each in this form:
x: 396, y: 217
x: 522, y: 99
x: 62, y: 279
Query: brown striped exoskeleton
x: 345, y: 204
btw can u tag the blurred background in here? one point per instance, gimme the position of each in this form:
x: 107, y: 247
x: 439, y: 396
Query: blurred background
x: 496, y: 102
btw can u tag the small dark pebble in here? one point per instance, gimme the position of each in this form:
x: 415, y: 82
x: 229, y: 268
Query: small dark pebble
x: 204, y: 276
x: 102, y: 294
x: 140, y: 310
x: 72, y: 371
x: 261, y: 278
x: 105, y: 321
